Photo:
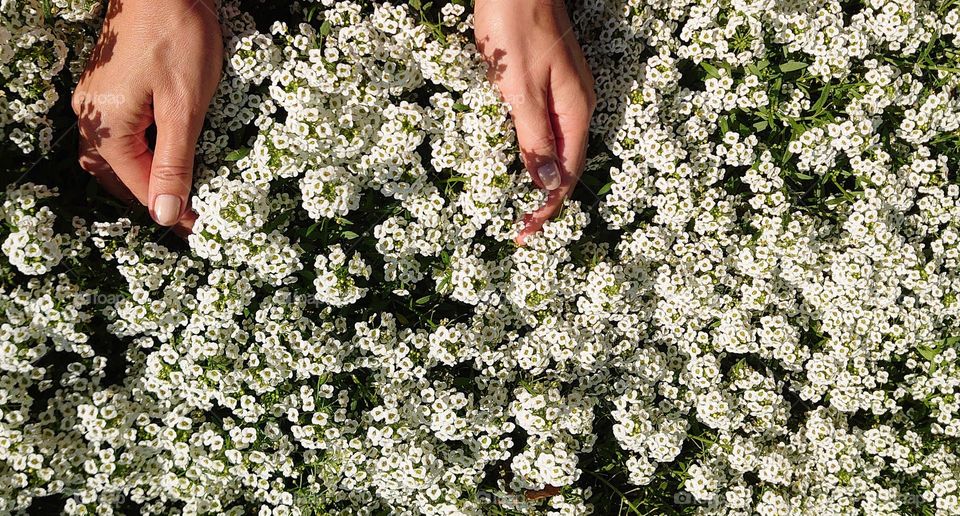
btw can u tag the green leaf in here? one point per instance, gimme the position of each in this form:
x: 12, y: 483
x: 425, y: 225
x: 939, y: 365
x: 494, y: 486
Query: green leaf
x: 785, y: 157
x: 238, y: 154
x: 605, y: 188
x: 459, y: 107
x: 326, y: 28
x: 711, y: 70
x: 761, y: 125
x: 824, y: 95
x: 278, y: 221
x: 802, y: 176
x: 423, y: 300
x: 792, y: 66
x: 350, y: 235
x: 415, y: 4
x: 927, y: 352
x: 797, y: 127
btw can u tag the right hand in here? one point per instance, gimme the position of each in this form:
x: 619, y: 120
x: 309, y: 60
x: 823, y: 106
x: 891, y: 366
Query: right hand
x: 155, y: 63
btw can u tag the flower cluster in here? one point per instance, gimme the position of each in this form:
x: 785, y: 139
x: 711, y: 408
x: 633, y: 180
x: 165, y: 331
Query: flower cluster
x: 750, y: 306
x: 32, y: 245
x: 39, y: 40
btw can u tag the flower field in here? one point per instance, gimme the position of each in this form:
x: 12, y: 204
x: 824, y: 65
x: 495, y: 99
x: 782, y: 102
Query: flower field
x: 749, y: 306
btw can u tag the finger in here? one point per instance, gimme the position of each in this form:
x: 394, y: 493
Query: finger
x: 112, y: 125
x: 533, y: 222
x: 571, y: 110
x: 129, y: 156
x: 171, y: 175
x: 184, y: 227
x: 572, y: 128
x: 90, y: 125
x: 536, y: 138
x: 129, y: 164
x: 571, y: 147
x: 572, y: 104
x: 121, y: 160
x: 91, y: 161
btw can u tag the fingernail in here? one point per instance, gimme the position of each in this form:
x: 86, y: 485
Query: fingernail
x: 167, y: 209
x: 549, y: 175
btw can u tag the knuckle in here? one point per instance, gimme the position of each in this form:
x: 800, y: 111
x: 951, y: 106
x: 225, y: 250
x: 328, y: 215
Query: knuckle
x: 85, y: 101
x: 514, y: 95
x: 108, y: 151
x: 540, y: 142
x: 524, y: 93
x: 177, y: 173
x: 552, y: 4
x: 188, y: 119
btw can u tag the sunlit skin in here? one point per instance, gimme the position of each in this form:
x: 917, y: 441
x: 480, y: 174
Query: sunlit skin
x: 536, y: 62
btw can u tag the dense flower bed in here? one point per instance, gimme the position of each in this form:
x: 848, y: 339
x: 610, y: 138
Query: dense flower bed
x: 749, y: 306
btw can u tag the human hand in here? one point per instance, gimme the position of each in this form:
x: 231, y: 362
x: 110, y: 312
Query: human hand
x: 155, y: 63
x: 536, y: 62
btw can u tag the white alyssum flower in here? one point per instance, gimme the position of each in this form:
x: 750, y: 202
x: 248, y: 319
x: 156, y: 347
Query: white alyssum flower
x: 338, y: 276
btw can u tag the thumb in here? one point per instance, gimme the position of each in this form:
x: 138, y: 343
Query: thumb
x: 171, y: 173
x: 537, y: 142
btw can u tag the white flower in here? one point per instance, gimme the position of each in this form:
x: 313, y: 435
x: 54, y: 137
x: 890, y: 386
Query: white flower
x: 336, y: 281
